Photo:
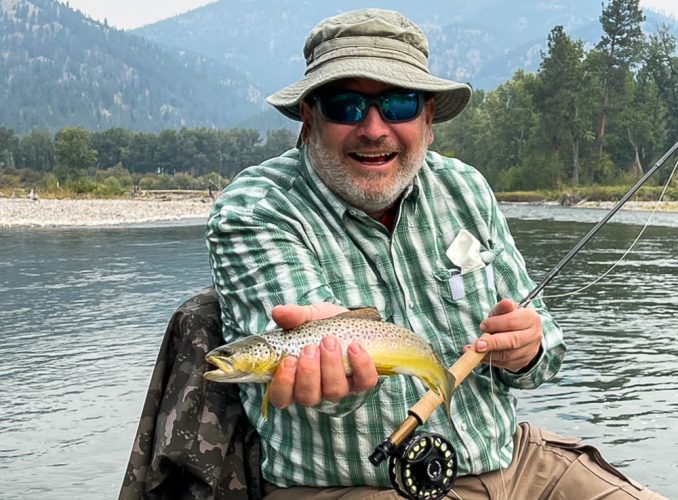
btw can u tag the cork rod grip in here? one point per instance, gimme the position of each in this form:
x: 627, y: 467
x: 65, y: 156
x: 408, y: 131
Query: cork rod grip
x: 423, y: 408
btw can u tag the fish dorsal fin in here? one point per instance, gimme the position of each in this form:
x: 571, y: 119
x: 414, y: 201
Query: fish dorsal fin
x: 361, y: 313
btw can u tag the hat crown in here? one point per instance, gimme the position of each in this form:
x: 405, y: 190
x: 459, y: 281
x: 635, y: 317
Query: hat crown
x: 377, y: 23
x: 370, y: 44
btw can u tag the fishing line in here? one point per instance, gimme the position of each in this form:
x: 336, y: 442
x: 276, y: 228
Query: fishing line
x: 496, y: 426
x: 628, y: 251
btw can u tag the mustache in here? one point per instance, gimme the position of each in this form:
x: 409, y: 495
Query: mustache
x: 381, y: 143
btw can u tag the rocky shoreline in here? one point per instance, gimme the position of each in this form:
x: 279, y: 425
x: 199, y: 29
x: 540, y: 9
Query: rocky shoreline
x: 50, y: 213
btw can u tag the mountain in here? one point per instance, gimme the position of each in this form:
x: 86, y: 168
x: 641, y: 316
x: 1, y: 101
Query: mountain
x: 212, y: 66
x: 60, y: 68
x: 482, y: 42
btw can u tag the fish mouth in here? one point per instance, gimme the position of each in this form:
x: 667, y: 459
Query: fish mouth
x: 220, y: 362
x: 224, y: 369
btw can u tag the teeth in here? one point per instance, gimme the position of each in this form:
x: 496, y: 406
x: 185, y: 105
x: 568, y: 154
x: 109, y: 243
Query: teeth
x: 372, y: 155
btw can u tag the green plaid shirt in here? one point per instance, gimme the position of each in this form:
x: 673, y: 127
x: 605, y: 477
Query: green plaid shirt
x: 277, y: 235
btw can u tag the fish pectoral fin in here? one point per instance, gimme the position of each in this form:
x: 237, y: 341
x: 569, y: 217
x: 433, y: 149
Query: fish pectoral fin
x: 370, y: 313
x: 265, y: 403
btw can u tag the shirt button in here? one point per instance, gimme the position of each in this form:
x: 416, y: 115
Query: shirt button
x: 463, y: 426
x: 411, y: 305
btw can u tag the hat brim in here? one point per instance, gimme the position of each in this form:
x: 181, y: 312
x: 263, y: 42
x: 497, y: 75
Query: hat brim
x: 450, y: 97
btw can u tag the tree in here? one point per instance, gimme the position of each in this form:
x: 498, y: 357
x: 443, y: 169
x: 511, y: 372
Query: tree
x: 621, y: 48
x: 36, y: 150
x: 513, y: 122
x: 73, y: 153
x: 560, y: 95
x: 112, y: 147
x: 277, y: 141
x: 661, y: 67
x: 9, y: 145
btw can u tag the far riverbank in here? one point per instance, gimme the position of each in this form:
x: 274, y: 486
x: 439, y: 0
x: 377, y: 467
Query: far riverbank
x: 46, y: 213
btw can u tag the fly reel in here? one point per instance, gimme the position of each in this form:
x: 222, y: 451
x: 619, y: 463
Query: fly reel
x: 424, y: 467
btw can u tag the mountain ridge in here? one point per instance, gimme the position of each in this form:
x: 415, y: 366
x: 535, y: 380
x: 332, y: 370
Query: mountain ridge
x: 213, y: 66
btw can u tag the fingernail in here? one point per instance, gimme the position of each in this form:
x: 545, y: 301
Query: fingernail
x: 483, y: 326
x: 481, y: 346
x: 290, y: 363
x: 330, y: 343
x: 310, y: 351
x: 355, y: 349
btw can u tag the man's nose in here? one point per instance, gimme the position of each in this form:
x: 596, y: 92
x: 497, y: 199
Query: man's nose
x: 373, y: 126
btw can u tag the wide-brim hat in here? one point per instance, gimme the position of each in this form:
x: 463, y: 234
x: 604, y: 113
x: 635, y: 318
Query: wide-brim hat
x: 375, y: 44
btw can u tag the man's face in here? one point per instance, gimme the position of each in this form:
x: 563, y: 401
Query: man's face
x: 369, y: 163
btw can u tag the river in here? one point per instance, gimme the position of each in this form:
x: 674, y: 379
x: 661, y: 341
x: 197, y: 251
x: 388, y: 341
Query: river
x: 83, y: 311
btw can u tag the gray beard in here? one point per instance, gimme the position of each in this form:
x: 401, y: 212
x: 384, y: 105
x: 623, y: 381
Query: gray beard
x: 330, y: 168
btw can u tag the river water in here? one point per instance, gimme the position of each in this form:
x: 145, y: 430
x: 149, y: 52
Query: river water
x: 82, y: 314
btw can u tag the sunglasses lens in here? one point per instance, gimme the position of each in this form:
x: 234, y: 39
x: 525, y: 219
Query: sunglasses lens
x: 399, y: 106
x: 351, y: 107
x: 344, y: 107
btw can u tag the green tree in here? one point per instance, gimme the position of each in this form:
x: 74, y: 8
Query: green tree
x: 9, y: 145
x: 513, y: 122
x: 661, y: 68
x: 277, y: 141
x: 142, y: 153
x: 73, y: 153
x: 621, y: 48
x: 36, y: 150
x: 560, y: 96
x: 112, y: 147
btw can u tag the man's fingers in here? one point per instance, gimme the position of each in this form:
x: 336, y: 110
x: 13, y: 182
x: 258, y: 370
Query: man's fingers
x: 281, y: 392
x: 334, y: 382
x: 506, y: 341
x: 504, y: 306
x: 307, y: 390
x: 365, y: 374
x: 517, y: 319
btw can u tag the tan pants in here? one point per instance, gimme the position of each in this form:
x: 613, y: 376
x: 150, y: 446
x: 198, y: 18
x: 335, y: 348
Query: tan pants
x: 545, y: 466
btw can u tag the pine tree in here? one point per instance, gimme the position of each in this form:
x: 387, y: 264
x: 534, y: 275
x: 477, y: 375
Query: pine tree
x: 621, y: 48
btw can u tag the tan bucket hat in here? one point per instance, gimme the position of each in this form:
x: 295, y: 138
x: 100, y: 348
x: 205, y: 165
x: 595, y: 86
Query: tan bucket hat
x: 377, y: 44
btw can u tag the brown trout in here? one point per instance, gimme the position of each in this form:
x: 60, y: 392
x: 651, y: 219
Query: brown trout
x: 394, y: 350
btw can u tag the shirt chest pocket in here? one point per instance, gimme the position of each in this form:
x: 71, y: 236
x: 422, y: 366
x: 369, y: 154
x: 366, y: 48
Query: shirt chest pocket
x: 470, y: 296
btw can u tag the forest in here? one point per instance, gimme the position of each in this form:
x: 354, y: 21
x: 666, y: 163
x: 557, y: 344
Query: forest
x: 590, y: 116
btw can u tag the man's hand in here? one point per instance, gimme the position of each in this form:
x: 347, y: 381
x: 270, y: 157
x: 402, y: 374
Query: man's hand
x: 515, y: 338
x: 319, y: 372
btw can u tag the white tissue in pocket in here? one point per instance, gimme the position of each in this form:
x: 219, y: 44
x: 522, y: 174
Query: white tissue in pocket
x: 464, y: 252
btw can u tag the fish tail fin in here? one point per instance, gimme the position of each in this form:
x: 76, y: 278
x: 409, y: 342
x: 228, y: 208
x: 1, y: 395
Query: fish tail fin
x: 447, y: 391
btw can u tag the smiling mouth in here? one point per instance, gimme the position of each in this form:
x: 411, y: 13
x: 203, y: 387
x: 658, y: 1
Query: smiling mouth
x: 373, y: 158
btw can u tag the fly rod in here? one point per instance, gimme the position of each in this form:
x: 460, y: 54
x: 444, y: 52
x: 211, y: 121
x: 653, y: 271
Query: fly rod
x: 418, y: 414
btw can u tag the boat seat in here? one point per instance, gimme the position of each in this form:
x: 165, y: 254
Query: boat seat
x: 194, y: 440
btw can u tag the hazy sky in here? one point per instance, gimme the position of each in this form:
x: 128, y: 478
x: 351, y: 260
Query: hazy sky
x: 128, y: 14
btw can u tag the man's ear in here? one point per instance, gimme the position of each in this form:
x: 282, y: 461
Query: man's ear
x: 306, y: 121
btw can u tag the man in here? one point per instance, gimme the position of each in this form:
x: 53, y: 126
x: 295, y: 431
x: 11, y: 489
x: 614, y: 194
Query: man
x: 362, y: 214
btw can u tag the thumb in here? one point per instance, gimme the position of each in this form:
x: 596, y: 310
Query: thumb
x: 289, y: 316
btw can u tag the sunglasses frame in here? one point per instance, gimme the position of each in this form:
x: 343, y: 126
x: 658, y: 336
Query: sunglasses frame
x: 376, y: 100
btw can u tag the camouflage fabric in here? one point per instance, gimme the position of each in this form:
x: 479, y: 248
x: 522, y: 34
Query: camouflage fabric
x: 194, y: 440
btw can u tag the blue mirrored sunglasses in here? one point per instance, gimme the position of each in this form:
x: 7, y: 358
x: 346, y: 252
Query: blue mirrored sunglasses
x: 345, y: 106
